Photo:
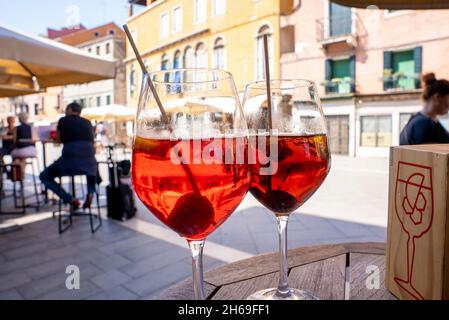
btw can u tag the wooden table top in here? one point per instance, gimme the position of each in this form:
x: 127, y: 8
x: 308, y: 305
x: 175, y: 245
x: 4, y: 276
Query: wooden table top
x: 330, y: 272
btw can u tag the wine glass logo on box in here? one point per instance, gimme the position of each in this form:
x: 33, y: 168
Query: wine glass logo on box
x: 414, y: 209
x: 417, y: 241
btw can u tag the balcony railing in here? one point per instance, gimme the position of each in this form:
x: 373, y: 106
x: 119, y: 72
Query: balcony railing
x: 340, y: 86
x: 400, y: 81
x: 334, y: 27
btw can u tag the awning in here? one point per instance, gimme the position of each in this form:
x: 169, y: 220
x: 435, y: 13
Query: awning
x: 29, y: 64
x: 14, y: 91
x: 396, y: 4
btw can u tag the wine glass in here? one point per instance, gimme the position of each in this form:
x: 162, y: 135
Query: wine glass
x: 189, y: 165
x: 289, y: 158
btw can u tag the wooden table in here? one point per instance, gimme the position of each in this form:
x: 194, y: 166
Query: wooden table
x: 335, y: 272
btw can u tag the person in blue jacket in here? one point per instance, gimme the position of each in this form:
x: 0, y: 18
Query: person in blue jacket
x: 78, y: 156
x: 424, y: 127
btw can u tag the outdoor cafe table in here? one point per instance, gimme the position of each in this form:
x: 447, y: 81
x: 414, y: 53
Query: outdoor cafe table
x: 330, y: 272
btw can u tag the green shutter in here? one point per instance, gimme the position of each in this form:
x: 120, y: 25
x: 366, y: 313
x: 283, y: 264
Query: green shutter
x: 328, y: 69
x: 352, y: 64
x: 388, y: 65
x: 417, y: 55
x: 404, y: 64
x: 341, y: 69
x: 328, y: 75
x: 388, y: 60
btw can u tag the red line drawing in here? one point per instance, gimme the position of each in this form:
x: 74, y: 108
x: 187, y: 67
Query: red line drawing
x: 414, y: 213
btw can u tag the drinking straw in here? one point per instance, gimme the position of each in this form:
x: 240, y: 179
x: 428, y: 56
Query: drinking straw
x: 145, y: 72
x: 159, y: 104
x: 270, y: 110
x: 268, y: 81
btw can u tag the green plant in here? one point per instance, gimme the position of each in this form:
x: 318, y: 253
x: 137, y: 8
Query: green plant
x: 388, y: 72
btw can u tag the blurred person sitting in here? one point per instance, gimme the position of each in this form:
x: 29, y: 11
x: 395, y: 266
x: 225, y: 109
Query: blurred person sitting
x: 101, y: 136
x: 24, y: 145
x: 424, y: 127
x: 7, y: 138
x: 78, y: 156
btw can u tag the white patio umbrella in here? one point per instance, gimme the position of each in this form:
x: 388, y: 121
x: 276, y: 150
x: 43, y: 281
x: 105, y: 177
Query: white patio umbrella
x: 396, y: 4
x: 112, y: 112
x: 29, y: 64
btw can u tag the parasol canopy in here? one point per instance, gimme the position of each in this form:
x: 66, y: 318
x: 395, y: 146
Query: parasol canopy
x: 396, y: 4
x: 29, y: 64
x: 113, y: 112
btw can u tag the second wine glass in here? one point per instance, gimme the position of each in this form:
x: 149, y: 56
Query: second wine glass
x: 290, y: 158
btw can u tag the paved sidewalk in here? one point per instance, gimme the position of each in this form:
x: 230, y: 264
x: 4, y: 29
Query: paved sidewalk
x: 115, y: 263
x: 139, y: 258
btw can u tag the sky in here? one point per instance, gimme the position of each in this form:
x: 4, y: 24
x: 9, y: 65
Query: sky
x: 34, y: 17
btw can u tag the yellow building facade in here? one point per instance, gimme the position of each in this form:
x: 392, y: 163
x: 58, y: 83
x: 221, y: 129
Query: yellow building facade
x: 226, y: 34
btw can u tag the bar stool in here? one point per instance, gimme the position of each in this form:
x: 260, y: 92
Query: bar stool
x: 22, y: 204
x: 34, y: 164
x: 68, y: 221
x: 22, y: 207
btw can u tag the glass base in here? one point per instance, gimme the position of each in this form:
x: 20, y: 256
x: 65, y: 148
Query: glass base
x: 273, y: 294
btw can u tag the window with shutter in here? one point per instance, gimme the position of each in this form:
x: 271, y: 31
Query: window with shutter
x: 340, y: 20
x: 376, y: 131
x: 340, y: 76
x: 402, y: 69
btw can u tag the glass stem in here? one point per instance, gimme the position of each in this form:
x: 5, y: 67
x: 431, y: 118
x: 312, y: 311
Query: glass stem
x: 283, y: 288
x: 197, y: 267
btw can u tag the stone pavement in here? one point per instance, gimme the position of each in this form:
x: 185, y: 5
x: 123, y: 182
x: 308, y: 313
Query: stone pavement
x: 139, y: 258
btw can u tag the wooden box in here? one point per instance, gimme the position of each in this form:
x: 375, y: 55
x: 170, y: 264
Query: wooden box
x: 418, y: 228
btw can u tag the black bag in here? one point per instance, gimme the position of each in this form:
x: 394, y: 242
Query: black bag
x: 120, y: 197
x: 120, y: 202
x: 124, y: 168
